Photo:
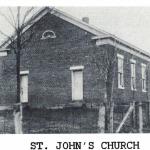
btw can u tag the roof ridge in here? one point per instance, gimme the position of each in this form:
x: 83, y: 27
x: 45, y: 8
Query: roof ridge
x: 82, y: 22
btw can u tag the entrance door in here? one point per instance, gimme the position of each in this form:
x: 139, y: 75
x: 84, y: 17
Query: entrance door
x: 24, y: 88
x: 77, y: 85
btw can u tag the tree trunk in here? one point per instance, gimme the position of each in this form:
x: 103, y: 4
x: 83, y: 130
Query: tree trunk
x: 101, y: 119
x: 18, y: 112
x: 140, y: 118
x: 149, y: 113
x: 18, y: 66
x: 18, y: 122
x: 110, y: 90
x: 111, y: 117
x: 134, y: 118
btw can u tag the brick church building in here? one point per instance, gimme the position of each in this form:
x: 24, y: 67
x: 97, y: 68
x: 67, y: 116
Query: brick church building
x: 64, y: 66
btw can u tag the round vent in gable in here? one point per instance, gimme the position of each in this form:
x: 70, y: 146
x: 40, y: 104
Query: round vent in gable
x: 48, y: 34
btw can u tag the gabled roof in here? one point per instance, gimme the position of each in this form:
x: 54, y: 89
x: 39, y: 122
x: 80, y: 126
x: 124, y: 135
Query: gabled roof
x: 98, y: 33
x: 39, y: 14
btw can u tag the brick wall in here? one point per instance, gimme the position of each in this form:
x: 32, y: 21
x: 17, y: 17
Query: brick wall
x: 48, y: 62
x: 66, y: 120
x: 127, y: 95
x: 6, y: 122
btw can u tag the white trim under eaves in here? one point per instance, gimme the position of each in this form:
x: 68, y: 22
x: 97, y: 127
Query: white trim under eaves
x: 123, y: 42
x: 100, y: 42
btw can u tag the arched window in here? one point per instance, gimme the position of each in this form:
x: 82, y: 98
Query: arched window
x: 48, y: 34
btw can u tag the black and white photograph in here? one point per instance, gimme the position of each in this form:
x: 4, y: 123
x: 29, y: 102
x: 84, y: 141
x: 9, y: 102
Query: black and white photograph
x: 74, y: 70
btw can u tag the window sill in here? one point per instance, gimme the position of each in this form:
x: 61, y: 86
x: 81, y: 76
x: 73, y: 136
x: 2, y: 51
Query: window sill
x: 75, y: 103
x: 133, y: 89
x: 144, y: 91
x: 121, y: 88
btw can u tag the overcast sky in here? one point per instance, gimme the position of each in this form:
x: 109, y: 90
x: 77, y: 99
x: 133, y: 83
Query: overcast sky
x: 131, y: 24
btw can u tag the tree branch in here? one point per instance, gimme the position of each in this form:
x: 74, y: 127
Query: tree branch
x: 23, y: 43
x: 7, y: 19
x: 26, y: 15
x: 10, y: 38
x: 18, y: 18
x: 12, y: 15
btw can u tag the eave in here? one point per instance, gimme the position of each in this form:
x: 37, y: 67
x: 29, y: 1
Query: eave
x: 122, y: 45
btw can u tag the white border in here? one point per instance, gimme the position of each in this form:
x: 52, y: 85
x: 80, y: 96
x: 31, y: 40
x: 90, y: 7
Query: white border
x: 75, y: 3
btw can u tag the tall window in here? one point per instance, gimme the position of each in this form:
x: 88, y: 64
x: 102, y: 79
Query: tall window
x: 133, y: 74
x: 77, y: 82
x: 143, y: 69
x: 120, y: 71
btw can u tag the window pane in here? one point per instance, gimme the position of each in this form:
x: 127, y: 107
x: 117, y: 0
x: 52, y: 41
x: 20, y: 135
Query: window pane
x: 143, y: 69
x: 133, y: 70
x: 133, y: 76
x: 120, y: 73
x: 143, y: 72
x: 120, y: 65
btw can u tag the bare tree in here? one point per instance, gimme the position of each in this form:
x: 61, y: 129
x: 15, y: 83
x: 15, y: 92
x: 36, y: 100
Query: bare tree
x: 105, y: 61
x: 17, y: 40
x: 17, y: 43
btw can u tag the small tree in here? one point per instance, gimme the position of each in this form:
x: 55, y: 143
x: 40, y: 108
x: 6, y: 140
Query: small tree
x: 105, y: 60
x: 17, y: 40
